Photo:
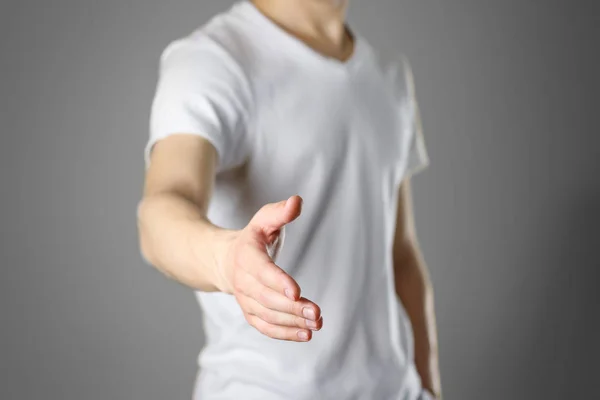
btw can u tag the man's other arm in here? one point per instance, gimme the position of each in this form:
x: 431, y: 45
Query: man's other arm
x: 414, y: 289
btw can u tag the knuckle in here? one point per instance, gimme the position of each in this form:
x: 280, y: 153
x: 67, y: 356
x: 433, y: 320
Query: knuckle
x: 288, y: 320
x: 268, y: 317
x: 263, y: 296
x: 270, y: 331
x: 263, y: 314
x: 263, y: 273
x: 294, y: 308
x: 238, y: 285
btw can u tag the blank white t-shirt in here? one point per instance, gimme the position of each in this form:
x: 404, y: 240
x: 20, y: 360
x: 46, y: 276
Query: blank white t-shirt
x: 287, y: 120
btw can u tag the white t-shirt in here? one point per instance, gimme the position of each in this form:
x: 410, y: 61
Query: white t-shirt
x: 286, y: 120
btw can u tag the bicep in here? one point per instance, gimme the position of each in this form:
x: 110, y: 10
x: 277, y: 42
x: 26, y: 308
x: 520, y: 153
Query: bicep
x: 182, y: 164
x: 201, y: 92
x: 417, y: 160
x: 197, y: 122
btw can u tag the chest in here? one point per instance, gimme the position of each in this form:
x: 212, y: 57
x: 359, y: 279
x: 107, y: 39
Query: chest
x: 334, y: 119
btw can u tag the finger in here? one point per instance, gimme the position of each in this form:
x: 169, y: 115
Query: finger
x: 274, y: 216
x: 246, y: 285
x: 260, y: 266
x: 279, y: 332
x: 273, y: 300
x: 273, y: 317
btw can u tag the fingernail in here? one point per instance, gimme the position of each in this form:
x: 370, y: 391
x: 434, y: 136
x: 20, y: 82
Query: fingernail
x: 289, y: 295
x: 309, y: 313
x: 303, y: 335
x: 311, y: 324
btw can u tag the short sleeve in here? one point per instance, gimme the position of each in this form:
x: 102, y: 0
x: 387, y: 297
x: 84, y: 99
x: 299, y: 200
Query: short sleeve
x: 418, y: 157
x: 202, y: 91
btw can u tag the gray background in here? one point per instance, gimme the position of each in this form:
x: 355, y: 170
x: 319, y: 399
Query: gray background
x: 508, y: 212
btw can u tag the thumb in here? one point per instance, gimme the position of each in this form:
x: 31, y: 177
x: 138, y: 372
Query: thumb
x: 274, y: 216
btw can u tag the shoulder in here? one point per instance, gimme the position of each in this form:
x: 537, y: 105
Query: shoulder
x: 396, y: 71
x: 218, y: 49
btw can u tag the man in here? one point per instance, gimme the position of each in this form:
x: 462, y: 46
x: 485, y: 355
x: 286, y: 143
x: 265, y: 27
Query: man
x: 278, y: 189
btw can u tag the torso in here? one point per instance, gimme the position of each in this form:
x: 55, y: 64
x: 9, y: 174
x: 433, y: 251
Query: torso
x: 336, y: 134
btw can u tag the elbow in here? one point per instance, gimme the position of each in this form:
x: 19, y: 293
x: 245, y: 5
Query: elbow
x: 144, y: 242
x: 406, y: 254
x: 410, y: 269
x: 144, y: 249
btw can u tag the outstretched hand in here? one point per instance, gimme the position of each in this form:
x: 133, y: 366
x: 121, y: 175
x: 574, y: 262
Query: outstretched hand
x: 268, y: 296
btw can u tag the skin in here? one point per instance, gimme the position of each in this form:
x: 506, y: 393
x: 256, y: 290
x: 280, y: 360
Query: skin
x: 413, y: 287
x: 177, y: 238
x: 318, y: 23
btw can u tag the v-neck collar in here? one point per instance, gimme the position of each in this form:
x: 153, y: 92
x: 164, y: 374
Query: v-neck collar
x: 253, y: 12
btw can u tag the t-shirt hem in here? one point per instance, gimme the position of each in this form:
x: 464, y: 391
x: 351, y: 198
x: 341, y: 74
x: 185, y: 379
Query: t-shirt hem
x: 156, y: 138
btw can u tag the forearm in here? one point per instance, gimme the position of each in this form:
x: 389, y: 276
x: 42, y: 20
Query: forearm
x: 177, y: 239
x: 415, y: 291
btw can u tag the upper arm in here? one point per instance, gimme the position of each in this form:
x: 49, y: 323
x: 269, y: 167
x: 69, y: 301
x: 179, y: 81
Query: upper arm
x: 405, y: 239
x: 198, y: 120
x: 201, y: 91
x: 405, y: 234
x: 418, y: 157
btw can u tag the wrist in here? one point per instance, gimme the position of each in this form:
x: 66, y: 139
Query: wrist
x: 223, y: 240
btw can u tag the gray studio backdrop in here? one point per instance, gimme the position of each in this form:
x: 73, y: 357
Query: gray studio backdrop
x: 508, y: 212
